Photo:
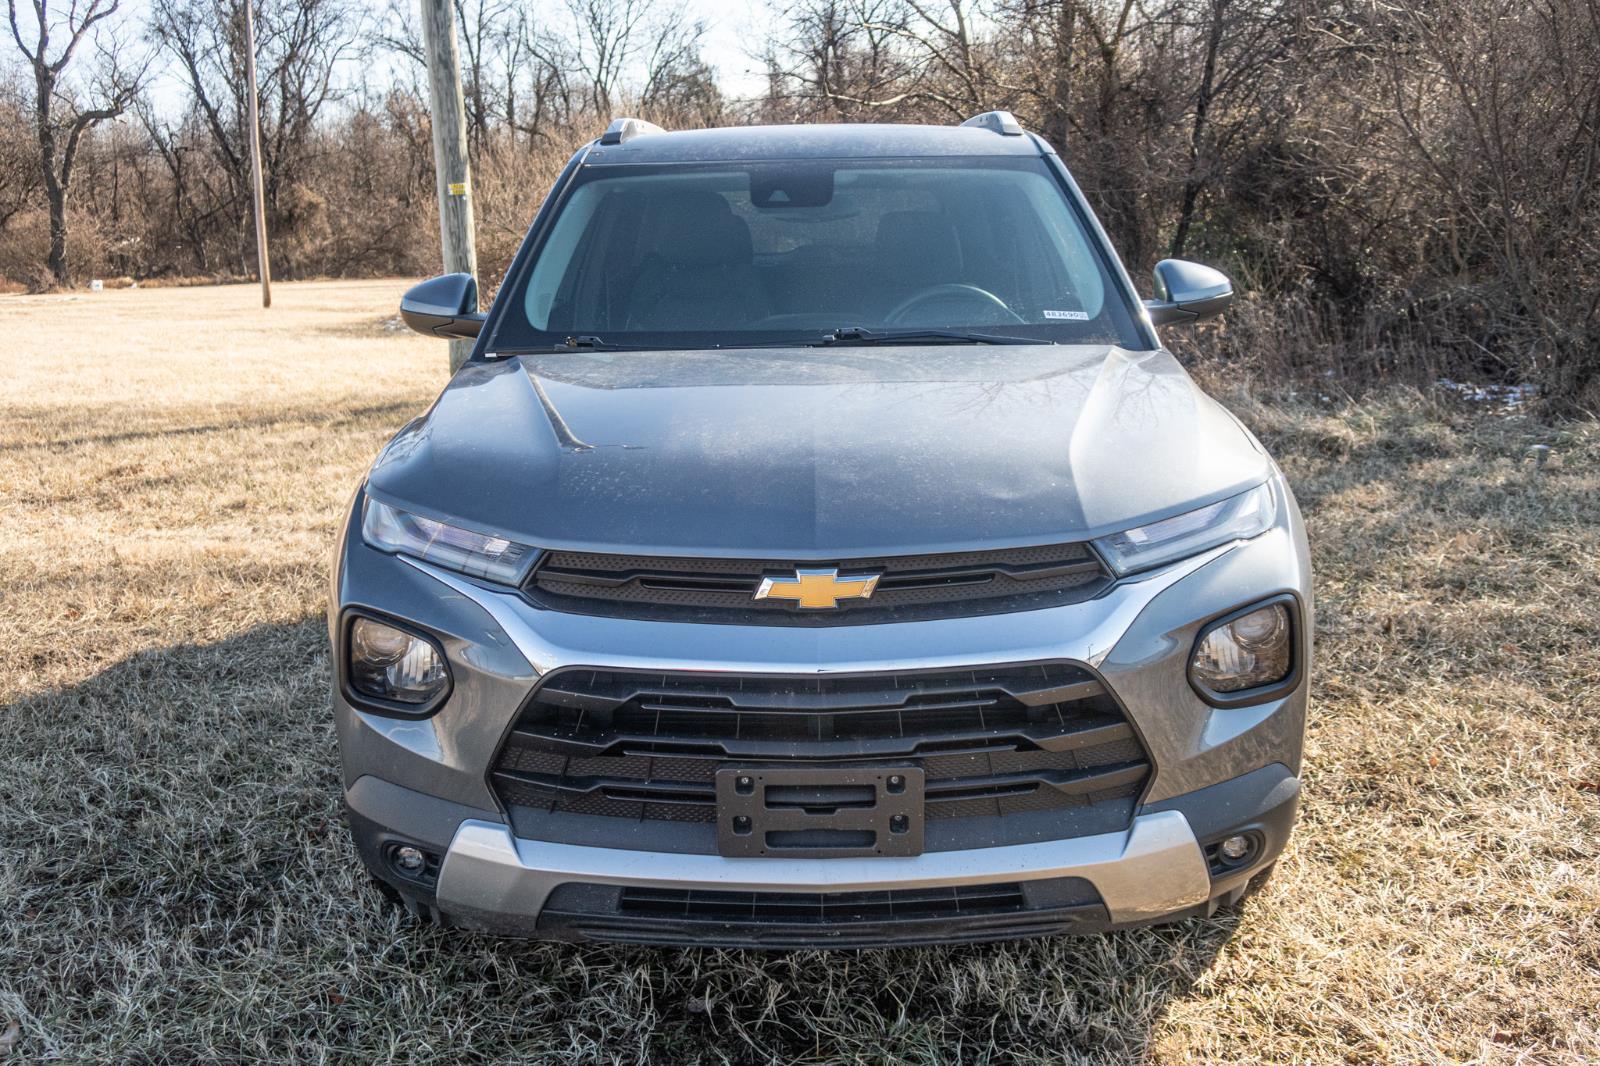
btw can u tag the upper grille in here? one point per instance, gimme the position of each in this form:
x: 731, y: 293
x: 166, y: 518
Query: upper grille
x: 911, y: 586
x: 647, y: 746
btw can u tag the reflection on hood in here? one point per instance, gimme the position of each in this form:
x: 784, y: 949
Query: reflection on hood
x: 818, y: 453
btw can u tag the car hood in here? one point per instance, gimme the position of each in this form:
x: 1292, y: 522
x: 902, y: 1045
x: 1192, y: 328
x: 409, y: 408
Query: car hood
x: 818, y: 453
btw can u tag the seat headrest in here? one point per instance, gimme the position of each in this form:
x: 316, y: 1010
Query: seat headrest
x: 700, y: 229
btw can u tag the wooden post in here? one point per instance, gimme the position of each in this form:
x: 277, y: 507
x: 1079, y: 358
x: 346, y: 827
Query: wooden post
x: 453, y: 177
x: 262, y: 265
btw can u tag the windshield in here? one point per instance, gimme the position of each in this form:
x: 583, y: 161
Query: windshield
x: 808, y: 252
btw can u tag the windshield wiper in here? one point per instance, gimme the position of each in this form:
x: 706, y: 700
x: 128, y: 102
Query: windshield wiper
x: 849, y: 335
x: 580, y: 343
x: 858, y: 335
x: 595, y: 344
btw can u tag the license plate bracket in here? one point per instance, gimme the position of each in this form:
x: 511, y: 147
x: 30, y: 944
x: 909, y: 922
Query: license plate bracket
x: 819, y: 812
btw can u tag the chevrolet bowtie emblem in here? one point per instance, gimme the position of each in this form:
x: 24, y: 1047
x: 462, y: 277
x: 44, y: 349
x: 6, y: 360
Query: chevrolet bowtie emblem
x: 817, y: 588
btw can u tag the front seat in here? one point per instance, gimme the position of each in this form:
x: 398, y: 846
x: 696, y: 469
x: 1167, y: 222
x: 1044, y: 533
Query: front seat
x: 697, y: 274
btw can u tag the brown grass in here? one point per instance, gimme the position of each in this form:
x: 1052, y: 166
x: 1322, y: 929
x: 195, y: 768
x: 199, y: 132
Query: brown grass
x: 175, y: 884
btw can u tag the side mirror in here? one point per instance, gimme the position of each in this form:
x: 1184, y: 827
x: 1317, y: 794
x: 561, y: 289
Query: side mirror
x: 1188, y: 292
x: 446, y: 306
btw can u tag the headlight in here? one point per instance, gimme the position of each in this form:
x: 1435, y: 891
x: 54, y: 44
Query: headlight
x: 1236, y: 518
x: 390, y: 664
x: 478, y: 554
x: 1251, y: 650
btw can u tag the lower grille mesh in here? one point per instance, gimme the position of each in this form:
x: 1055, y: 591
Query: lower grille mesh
x: 902, y: 916
x: 823, y: 907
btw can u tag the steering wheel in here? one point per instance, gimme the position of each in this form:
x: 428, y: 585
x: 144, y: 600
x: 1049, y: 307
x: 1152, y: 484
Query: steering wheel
x: 952, y: 292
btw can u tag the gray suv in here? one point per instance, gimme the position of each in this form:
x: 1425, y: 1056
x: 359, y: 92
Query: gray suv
x: 819, y: 547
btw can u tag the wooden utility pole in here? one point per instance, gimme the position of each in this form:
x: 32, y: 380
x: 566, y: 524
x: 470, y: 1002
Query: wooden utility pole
x: 262, y: 266
x: 453, y: 177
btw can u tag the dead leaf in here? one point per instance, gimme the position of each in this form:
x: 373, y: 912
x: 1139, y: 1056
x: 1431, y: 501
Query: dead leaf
x: 10, y: 1038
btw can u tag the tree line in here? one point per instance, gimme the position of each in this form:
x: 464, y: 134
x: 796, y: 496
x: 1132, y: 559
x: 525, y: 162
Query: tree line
x: 1401, y: 187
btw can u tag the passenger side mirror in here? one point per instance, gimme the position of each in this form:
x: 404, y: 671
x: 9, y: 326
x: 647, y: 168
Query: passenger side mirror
x: 446, y: 306
x: 1188, y: 292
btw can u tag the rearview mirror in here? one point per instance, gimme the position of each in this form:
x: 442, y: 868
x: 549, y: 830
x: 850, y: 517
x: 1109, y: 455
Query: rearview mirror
x: 446, y: 306
x: 1188, y: 292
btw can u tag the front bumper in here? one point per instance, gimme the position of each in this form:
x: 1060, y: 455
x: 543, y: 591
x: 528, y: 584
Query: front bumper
x: 1157, y: 870
x: 488, y: 876
x: 1153, y: 869
x: 1215, y: 771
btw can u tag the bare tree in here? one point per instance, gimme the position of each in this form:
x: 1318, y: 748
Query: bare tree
x: 20, y: 179
x: 60, y: 118
x: 1412, y: 188
x: 539, y: 85
x: 1239, y: 44
x: 845, y: 60
x: 515, y: 74
x: 606, y: 38
x: 487, y: 35
x: 677, y: 79
x: 300, y: 45
x: 955, y: 74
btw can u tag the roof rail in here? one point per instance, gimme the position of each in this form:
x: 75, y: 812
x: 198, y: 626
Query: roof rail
x: 1001, y: 122
x: 623, y: 130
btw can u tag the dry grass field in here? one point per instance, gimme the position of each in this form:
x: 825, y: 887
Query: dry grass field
x: 176, y: 885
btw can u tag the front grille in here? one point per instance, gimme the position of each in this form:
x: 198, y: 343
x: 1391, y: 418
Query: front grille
x: 646, y: 747
x: 911, y: 587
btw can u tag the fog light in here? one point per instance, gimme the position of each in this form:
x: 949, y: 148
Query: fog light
x: 390, y: 664
x: 1235, y: 848
x: 411, y: 860
x: 1252, y: 650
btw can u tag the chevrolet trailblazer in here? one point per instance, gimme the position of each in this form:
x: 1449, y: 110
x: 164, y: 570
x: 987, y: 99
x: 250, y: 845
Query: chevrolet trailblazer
x: 819, y: 547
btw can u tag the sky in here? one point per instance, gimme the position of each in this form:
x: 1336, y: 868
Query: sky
x: 733, y: 30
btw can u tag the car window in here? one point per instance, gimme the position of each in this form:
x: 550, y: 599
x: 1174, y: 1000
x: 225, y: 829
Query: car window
x: 730, y: 254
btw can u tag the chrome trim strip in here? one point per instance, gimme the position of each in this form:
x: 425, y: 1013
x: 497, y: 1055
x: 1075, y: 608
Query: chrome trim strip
x: 1084, y: 632
x: 1154, y: 868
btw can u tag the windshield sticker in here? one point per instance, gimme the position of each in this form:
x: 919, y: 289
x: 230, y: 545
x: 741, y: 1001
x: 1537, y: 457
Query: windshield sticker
x: 1071, y: 316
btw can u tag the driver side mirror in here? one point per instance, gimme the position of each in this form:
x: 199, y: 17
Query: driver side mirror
x: 446, y: 306
x: 1188, y: 292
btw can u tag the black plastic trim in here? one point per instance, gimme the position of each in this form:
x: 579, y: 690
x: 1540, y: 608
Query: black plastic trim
x: 1264, y: 803
x: 388, y: 708
x: 1261, y: 694
x: 1019, y: 603
x: 893, y: 918
x: 951, y: 835
x: 721, y: 590
x: 760, y: 806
